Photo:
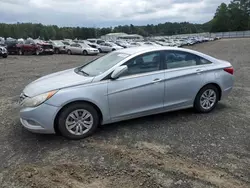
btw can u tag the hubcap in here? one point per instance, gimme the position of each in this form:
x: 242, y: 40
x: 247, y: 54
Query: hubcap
x: 79, y: 122
x: 208, y: 99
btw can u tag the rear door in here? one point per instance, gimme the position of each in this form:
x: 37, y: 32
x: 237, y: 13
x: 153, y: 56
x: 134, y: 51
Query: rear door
x: 184, y: 77
x: 140, y: 91
x: 79, y: 49
x: 73, y: 48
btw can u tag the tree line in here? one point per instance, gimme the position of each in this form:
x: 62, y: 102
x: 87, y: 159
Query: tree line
x: 24, y: 30
x: 232, y: 17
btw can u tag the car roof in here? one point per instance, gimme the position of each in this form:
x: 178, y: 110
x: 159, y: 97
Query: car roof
x: 145, y: 49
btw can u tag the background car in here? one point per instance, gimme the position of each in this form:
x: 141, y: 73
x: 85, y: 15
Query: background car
x: 109, y: 47
x: 59, y: 47
x: 28, y: 47
x: 45, y: 48
x: 122, y: 85
x: 3, y: 52
x: 97, y: 41
x: 81, y: 48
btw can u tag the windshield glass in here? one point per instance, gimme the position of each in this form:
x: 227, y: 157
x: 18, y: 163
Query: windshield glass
x: 112, y: 44
x: 84, y: 45
x: 103, y: 63
x: 58, y: 43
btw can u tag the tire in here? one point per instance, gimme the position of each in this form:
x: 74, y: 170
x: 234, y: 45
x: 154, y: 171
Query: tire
x: 113, y: 49
x: 69, y: 52
x: 212, y: 102
x: 19, y: 52
x: 37, y: 52
x: 56, y: 51
x: 5, y: 55
x: 64, y: 118
x: 85, y: 52
x: 100, y: 50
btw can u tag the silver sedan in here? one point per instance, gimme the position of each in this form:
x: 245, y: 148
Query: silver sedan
x: 122, y: 85
x: 81, y: 48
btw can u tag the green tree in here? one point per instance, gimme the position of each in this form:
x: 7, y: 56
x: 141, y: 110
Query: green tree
x: 221, y: 19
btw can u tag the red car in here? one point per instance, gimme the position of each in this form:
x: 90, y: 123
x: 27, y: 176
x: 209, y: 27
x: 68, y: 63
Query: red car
x: 36, y: 47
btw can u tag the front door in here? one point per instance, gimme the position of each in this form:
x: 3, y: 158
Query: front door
x: 140, y: 91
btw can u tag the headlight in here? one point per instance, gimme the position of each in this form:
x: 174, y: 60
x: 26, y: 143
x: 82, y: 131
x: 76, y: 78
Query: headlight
x: 37, y: 100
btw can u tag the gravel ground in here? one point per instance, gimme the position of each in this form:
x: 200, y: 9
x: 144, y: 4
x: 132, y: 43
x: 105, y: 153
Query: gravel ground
x: 178, y: 149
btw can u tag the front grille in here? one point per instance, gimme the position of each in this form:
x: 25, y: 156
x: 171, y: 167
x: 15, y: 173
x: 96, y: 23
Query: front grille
x: 47, y: 47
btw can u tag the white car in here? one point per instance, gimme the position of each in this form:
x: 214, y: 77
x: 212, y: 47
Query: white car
x: 151, y: 43
x: 109, y: 47
x: 96, y: 41
x: 58, y: 46
x: 81, y: 48
x: 3, y: 52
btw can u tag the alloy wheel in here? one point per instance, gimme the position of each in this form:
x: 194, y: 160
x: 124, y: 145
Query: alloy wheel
x: 208, y: 99
x: 79, y: 122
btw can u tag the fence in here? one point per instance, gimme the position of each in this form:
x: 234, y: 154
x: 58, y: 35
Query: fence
x: 233, y: 34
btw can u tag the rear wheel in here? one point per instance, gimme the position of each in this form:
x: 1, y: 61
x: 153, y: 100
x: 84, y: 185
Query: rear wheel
x: 5, y: 56
x: 78, y: 121
x: 100, y: 50
x: 69, y: 52
x: 207, y: 99
x: 85, y: 52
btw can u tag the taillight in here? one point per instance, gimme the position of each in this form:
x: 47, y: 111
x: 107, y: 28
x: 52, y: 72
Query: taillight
x: 229, y: 70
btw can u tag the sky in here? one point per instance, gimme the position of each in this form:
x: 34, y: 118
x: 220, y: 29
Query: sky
x: 107, y: 13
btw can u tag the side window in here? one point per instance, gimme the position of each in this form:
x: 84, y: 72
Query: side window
x: 179, y: 59
x: 144, y: 63
x: 27, y: 42
x: 99, y: 41
x: 203, y: 61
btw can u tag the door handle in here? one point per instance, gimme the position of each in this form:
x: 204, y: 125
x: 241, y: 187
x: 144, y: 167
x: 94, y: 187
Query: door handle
x: 199, y: 71
x: 157, y: 80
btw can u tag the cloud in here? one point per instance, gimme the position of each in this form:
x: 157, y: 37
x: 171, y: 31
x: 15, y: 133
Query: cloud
x: 107, y: 12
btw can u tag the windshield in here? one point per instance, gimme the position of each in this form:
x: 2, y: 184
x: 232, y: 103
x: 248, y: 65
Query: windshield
x: 112, y: 44
x: 58, y: 43
x: 103, y: 63
x: 84, y: 45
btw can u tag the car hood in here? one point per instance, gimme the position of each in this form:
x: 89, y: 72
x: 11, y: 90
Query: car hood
x: 59, y: 80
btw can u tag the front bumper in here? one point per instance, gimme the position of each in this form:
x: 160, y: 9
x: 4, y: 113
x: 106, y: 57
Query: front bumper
x: 39, y: 119
x: 46, y: 51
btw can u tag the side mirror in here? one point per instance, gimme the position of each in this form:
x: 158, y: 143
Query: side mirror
x: 119, y: 71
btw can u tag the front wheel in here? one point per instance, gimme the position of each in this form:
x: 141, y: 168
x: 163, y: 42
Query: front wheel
x: 78, y: 121
x: 5, y: 56
x: 20, y: 52
x: 57, y: 51
x: 37, y: 52
x: 207, y: 99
